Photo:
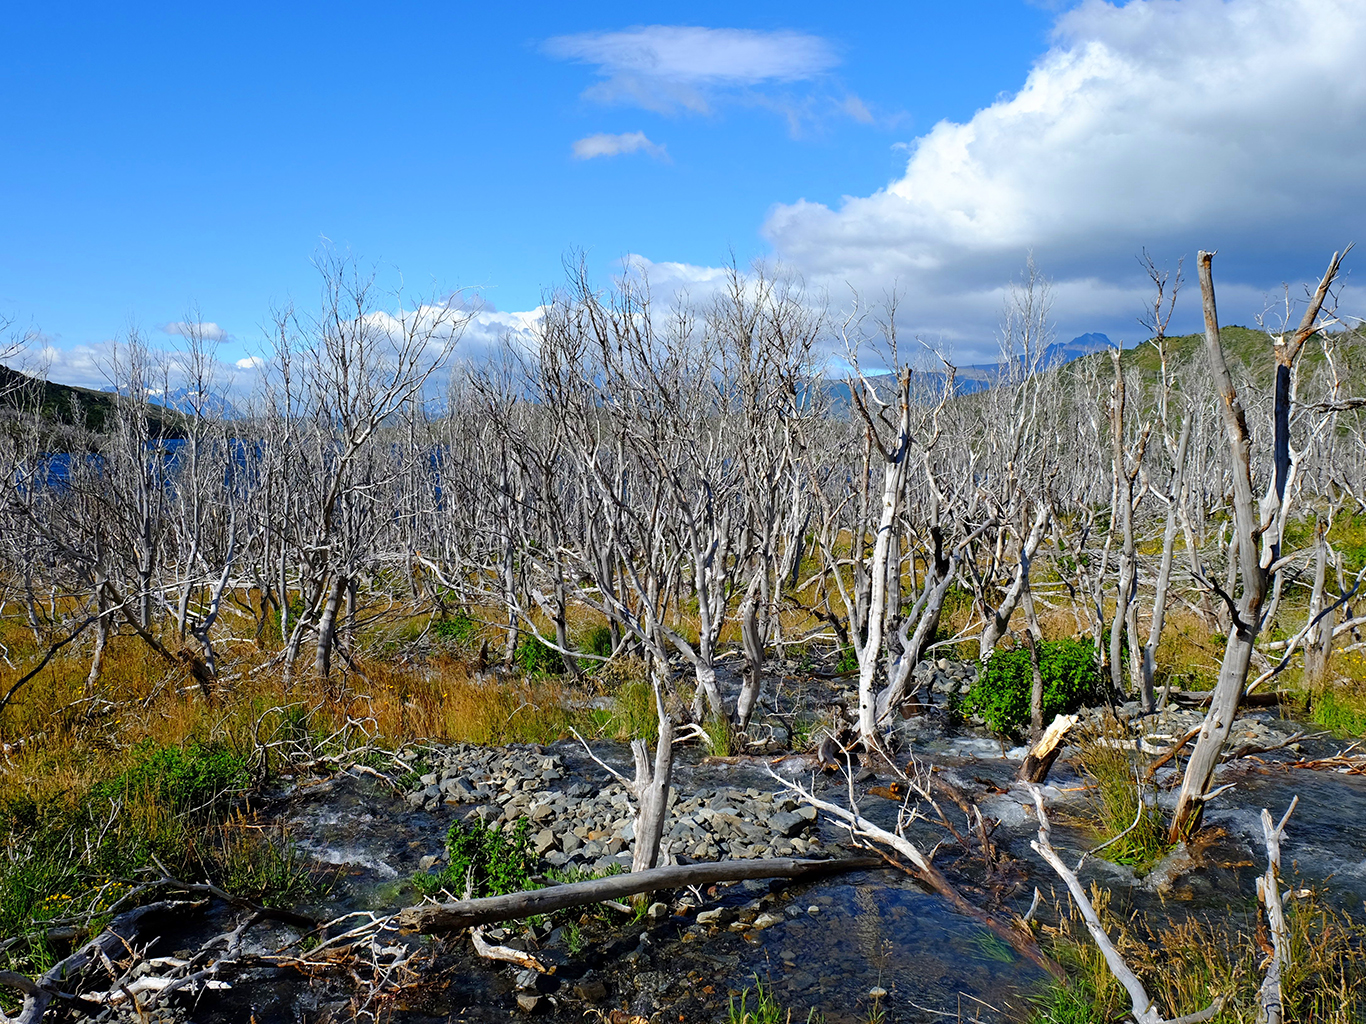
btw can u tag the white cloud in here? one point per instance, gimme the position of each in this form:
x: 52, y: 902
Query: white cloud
x: 604, y: 144
x: 1175, y: 124
x: 250, y: 363
x: 207, y: 330
x: 668, y: 68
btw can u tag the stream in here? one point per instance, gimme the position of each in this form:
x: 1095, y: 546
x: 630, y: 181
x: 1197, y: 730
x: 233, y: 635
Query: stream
x: 836, y: 941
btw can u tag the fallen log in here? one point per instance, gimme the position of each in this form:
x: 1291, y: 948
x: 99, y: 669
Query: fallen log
x: 453, y: 916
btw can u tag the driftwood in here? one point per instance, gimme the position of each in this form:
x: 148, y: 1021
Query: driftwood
x: 448, y: 917
x: 53, y: 984
x: 506, y: 954
x: 1144, y: 1011
x: 1270, y: 1008
x: 1043, y: 753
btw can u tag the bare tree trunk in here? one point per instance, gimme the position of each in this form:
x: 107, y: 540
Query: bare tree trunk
x: 1254, y: 570
x: 1318, y: 644
x: 101, y: 636
x: 327, y: 628
x: 652, y: 785
x: 1164, y: 572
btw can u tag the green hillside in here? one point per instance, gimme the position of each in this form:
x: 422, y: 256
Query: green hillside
x: 64, y: 405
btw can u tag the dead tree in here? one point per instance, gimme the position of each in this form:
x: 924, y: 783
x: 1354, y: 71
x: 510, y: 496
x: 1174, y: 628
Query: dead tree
x: 1256, y: 568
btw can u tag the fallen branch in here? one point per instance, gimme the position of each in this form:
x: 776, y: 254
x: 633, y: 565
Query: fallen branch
x: 506, y: 954
x: 1176, y: 749
x: 40, y: 992
x: 1144, y: 1011
x: 458, y: 914
x: 1016, y: 934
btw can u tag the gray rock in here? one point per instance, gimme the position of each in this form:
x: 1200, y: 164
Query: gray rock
x: 543, y: 842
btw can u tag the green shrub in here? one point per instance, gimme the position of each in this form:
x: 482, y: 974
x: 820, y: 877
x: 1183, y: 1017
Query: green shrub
x: 491, y: 862
x: 1000, y: 697
x: 536, y: 657
x: 598, y: 641
x: 193, y: 778
x: 458, y: 629
x: 848, y: 660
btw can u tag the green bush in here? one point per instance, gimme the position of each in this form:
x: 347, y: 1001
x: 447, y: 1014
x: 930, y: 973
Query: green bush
x: 1000, y: 697
x: 491, y: 862
x: 536, y: 657
x: 195, y: 777
x: 458, y: 629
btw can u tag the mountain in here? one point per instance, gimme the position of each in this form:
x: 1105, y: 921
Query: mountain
x: 64, y: 405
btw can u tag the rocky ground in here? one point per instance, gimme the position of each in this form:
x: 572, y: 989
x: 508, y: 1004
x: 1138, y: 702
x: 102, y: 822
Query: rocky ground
x: 585, y: 820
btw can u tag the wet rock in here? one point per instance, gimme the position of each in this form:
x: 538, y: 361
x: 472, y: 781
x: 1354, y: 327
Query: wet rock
x: 591, y: 990
x: 528, y: 1002
x: 717, y: 916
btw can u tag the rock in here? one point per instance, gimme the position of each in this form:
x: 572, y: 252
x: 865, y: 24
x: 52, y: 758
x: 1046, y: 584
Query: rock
x: 591, y: 990
x: 657, y: 912
x: 767, y: 920
x: 717, y: 916
x: 429, y: 779
x: 428, y: 862
x: 787, y: 823
x: 544, y: 842
x: 528, y: 1002
x: 528, y: 980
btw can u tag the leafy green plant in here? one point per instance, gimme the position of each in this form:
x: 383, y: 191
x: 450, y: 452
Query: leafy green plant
x: 490, y: 861
x: 574, y: 940
x: 536, y: 657
x: 848, y: 660
x: 189, y: 779
x: 458, y: 629
x: 1000, y: 697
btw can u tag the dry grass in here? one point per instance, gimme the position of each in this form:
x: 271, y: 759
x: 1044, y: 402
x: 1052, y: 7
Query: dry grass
x: 1184, y: 965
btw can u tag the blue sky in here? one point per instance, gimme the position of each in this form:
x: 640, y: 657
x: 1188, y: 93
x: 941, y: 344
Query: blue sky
x: 164, y: 158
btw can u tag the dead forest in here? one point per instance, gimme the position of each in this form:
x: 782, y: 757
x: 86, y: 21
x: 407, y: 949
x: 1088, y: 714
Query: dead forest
x: 702, y: 492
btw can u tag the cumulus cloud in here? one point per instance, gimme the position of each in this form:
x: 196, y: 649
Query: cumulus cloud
x: 1175, y: 124
x: 603, y: 144
x: 673, y: 68
x: 207, y: 330
x: 250, y: 363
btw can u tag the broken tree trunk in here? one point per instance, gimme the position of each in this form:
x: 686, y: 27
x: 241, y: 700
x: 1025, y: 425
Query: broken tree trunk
x: 1043, y: 753
x: 1270, y: 1008
x: 447, y: 917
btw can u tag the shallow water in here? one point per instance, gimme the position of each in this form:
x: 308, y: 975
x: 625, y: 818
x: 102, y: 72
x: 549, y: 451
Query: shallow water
x: 840, y: 938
